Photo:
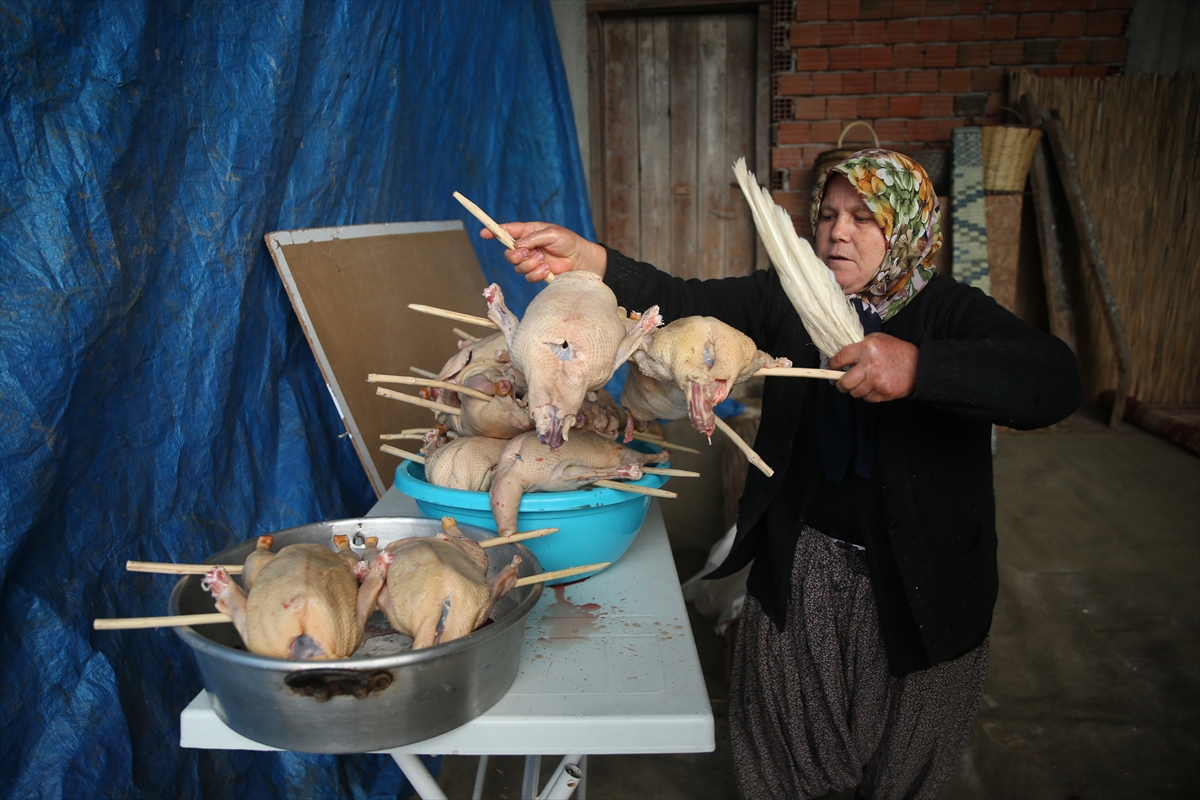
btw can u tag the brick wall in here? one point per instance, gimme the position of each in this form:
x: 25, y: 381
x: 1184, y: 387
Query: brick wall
x: 917, y: 69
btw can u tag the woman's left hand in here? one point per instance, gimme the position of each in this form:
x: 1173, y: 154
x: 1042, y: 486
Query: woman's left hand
x: 884, y: 368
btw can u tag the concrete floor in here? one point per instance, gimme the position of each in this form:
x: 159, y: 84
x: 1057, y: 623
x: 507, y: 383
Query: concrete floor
x: 1094, y: 686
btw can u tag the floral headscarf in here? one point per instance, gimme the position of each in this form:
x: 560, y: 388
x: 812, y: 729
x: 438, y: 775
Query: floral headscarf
x: 901, y: 197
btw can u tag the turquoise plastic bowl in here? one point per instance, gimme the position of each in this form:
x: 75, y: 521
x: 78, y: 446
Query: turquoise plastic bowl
x: 594, y: 524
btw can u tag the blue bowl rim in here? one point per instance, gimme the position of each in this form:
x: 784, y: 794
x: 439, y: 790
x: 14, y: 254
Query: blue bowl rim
x: 410, y: 479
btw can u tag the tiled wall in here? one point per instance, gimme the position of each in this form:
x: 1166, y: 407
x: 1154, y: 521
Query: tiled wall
x: 916, y: 69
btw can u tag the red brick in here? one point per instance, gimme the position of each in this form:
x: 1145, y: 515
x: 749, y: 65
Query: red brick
x: 901, y: 30
x: 1108, y: 51
x: 908, y: 55
x: 1003, y: 53
x: 941, y: 8
x: 1033, y: 26
x: 1093, y: 71
x: 811, y: 151
x: 811, y: 59
x: 842, y: 9
x: 890, y: 81
x: 1000, y: 27
x: 787, y: 157
x: 1041, y: 51
x: 835, y: 33
x: 908, y: 8
x: 974, y: 55
x: 945, y: 127
x: 874, y: 9
x: 805, y: 34
x: 987, y: 80
x: 922, y: 130
x: 869, y: 32
x: 824, y: 83
x: 1054, y: 72
x: 844, y: 58
x: 875, y: 58
x: 966, y: 29
x: 1107, y: 23
x: 841, y: 108
x: 906, y: 106
x: 792, y: 85
x: 941, y: 55
x: 937, y: 105
x: 923, y: 81
x: 812, y: 10
x: 1103, y: 4
x: 788, y: 201
x: 1074, y: 51
x: 801, y: 180
x: 858, y: 83
x: 1007, y: 6
x: 794, y: 132
x: 1068, y: 26
x: 872, y: 107
x: 933, y: 30
x: 810, y: 108
x: 889, y: 130
x: 954, y: 81
x: 974, y: 7
x: 803, y: 224
x: 825, y: 131
x: 1045, y: 6
x: 1077, y: 5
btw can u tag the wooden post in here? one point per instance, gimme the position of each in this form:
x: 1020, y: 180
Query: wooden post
x: 1089, y: 242
x: 1058, y: 297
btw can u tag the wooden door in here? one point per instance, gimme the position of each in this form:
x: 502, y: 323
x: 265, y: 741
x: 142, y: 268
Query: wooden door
x: 676, y: 99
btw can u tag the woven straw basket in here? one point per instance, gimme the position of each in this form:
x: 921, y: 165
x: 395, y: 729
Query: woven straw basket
x: 1007, y: 153
x: 833, y: 157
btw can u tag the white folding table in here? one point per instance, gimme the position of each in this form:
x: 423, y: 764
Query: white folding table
x: 608, y: 666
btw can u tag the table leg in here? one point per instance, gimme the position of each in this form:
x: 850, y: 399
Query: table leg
x: 533, y: 771
x: 480, y: 776
x: 414, y: 769
x: 581, y: 792
x: 566, y: 779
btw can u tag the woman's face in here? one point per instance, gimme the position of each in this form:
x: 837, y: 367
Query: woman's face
x: 849, y: 240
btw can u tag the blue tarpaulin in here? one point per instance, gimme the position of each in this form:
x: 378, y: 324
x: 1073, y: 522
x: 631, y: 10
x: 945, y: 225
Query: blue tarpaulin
x: 158, y: 400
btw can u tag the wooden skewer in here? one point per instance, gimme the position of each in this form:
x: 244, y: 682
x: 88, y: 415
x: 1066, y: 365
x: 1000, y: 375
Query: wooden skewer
x: 460, y: 333
x: 561, y: 573
x: 502, y: 235
x: 517, y: 537
x: 396, y: 451
x: 674, y: 473
x: 801, y: 372
x: 424, y: 373
x: 454, y: 315
x: 390, y: 436
x: 416, y: 430
x: 745, y: 448
x: 179, y: 569
x: 407, y: 380
x: 627, y: 487
x: 651, y: 439
x: 418, y: 401
x: 124, y: 623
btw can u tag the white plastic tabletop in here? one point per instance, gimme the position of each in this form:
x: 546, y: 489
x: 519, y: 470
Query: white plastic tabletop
x: 608, y: 666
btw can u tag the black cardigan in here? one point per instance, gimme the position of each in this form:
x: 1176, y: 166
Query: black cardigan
x: 978, y: 365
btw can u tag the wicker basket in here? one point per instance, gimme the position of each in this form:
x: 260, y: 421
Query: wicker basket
x: 1007, y: 153
x: 833, y: 157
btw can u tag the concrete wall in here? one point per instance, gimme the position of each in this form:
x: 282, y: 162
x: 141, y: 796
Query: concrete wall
x: 1162, y: 37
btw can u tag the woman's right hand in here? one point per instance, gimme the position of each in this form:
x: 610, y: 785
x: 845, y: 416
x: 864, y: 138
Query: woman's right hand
x: 543, y: 248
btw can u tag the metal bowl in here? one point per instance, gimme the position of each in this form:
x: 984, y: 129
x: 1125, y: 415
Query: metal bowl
x: 383, y: 696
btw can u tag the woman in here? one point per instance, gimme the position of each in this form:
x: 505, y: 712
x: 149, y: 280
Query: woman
x: 862, y: 652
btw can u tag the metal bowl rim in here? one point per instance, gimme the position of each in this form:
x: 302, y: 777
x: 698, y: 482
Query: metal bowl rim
x: 245, y: 658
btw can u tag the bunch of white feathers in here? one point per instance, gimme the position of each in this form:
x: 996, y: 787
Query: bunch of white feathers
x: 826, y: 313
